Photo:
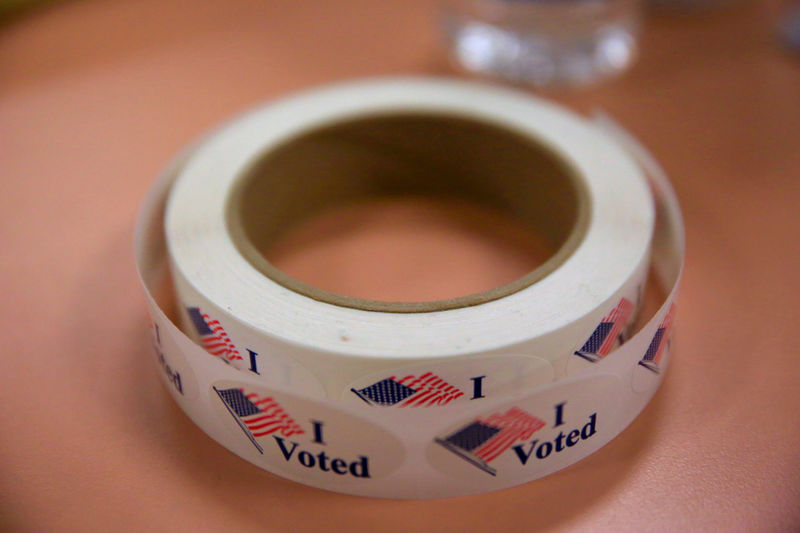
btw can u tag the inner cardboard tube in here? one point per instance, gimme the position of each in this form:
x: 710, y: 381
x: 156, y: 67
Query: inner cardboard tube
x: 401, y: 155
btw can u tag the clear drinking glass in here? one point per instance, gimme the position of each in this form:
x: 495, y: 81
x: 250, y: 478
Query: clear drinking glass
x: 543, y: 42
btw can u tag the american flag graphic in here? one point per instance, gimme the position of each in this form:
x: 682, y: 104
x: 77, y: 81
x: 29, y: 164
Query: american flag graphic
x: 607, y: 333
x: 652, y: 357
x: 258, y: 416
x: 483, y: 440
x: 213, y: 336
x: 411, y: 391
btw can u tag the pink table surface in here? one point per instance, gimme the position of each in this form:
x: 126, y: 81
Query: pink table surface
x: 96, y: 96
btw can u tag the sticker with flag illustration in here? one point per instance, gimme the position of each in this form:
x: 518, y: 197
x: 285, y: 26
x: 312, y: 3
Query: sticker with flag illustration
x: 448, y: 382
x: 300, y: 437
x: 652, y: 357
x: 277, y: 367
x: 608, y: 334
x: 256, y: 415
x: 213, y: 336
x: 425, y: 390
x: 531, y: 436
x: 483, y: 440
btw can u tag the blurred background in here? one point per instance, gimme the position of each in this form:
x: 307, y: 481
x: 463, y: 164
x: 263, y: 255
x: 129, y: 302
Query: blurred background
x: 97, y: 95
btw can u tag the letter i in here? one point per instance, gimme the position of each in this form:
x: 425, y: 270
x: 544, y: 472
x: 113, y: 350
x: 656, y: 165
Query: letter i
x: 158, y: 334
x: 477, y: 387
x: 559, y: 414
x: 317, y: 432
x: 253, y: 364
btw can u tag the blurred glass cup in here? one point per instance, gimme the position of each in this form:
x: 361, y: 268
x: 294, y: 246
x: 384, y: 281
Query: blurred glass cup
x: 543, y: 42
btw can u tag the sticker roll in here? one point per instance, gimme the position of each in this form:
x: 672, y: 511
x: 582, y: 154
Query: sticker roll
x: 411, y: 399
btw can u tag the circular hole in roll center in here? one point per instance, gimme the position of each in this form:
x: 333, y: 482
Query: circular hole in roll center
x: 411, y: 249
x: 408, y: 212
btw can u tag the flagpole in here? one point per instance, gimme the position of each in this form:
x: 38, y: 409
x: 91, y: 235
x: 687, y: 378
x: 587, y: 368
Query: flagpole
x: 592, y: 358
x: 244, y: 428
x: 483, y: 465
x: 362, y: 397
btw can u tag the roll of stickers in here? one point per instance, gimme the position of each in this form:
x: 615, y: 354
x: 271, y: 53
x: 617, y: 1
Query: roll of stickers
x: 412, y: 399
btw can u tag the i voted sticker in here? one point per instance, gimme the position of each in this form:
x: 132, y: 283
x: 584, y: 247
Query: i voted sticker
x: 304, y: 438
x: 531, y: 436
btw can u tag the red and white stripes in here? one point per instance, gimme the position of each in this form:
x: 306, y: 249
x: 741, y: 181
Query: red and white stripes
x: 271, y: 418
x: 431, y: 390
x: 515, y: 425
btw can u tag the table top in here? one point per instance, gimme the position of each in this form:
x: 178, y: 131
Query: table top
x: 96, y: 96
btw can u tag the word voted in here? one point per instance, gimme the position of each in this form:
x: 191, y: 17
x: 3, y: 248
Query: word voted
x: 357, y: 468
x: 289, y: 450
x: 541, y: 450
x: 483, y: 440
x: 173, y: 376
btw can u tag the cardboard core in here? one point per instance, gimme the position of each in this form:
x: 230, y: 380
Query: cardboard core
x: 407, y: 155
